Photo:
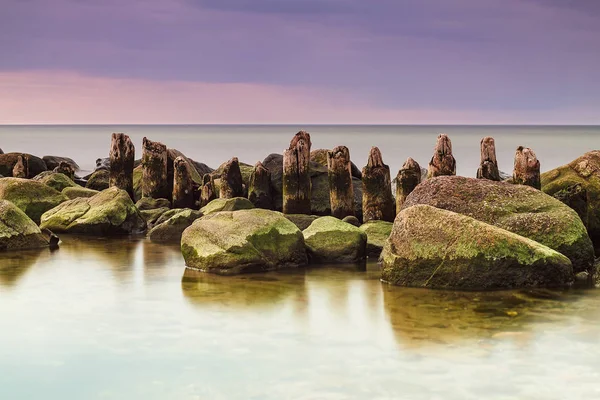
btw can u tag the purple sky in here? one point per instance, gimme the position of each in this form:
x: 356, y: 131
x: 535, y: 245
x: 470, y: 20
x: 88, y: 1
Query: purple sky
x: 310, y: 61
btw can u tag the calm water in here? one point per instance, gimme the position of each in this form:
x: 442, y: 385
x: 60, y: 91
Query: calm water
x: 214, y: 144
x: 122, y: 319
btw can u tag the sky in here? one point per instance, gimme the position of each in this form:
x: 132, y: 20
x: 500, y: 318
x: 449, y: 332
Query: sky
x: 300, y: 61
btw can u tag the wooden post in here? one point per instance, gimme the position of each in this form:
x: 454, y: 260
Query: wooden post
x: 208, y: 193
x: 442, y: 162
x: 527, y: 168
x: 488, y: 166
x: 154, y: 170
x: 65, y: 168
x: 377, y: 200
x: 122, y: 158
x: 183, y: 186
x: 296, y: 175
x: 259, y: 192
x: 407, y: 180
x: 231, y: 180
x: 341, y: 192
x: 21, y: 167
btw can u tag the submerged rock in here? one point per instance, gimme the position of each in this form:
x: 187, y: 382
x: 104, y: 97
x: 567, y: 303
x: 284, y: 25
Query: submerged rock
x: 32, y: 197
x: 377, y: 234
x: 55, y: 180
x: 517, y: 208
x: 170, y: 226
x: 75, y: 192
x: 243, y: 241
x: 434, y: 248
x: 234, y: 204
x: 17, y: 230
x: 110, y: 212
x: 99, y: 180
x: 330, y: 240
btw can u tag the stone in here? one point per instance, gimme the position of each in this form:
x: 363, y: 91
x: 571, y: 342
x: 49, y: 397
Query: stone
x: 231, y: 180
x: 488, y: 165
x: 435, y: 248
x: 21, y: 168
x: 330, y: 240
x: 259, y: 190
x: 75, y: 192
x: 102, y: 163
x: 377, y: 201
x: 65, y: 169
x: 341, y: 192
x: 377, y: 234
x: 234, y: 204
x: 576, y: 197
x: 253, y: 240
x: 352, y: 220
x: 7, y: 162
x: 169, y: 229
x: 407, y: 180
x: 110, y: 212
x: 32, y: 197
x: 99, y: 180
x: 302, y: 221
x: 153, y: 215
x: 53, y: 162
x: 296, y: 183
x: 527, y: 168
x: 517, y: 208
x: 147, y: 203
x: 17, y: 230
x: 122, y: 157
x: 183, y: 186
x: 56, y: 181
x: 154, y: 170
x: 443, y: 162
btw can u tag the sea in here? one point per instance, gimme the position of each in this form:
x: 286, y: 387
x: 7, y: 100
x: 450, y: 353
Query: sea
x: 122, y: 318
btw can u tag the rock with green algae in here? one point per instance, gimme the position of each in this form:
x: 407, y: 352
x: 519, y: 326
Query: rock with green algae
x: 99, y: 180
x: 517, y: 208
x: 170, y: 226
x: 233, y: 242
x: 434, y: 248
x: 110, y: 212
x: 17, y: 230
x: 152, y: 216
x: 377, y: 234
x: 330, y: 240
x: 234, y: 204
x: 78, y: 191
x: 55, y: 180
x: 302, y: 221
x: 148, y: 203
x: 32, y: 197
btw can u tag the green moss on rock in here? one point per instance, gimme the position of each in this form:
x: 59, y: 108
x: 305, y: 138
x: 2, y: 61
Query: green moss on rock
x: 78, y: 191
x: 330, y: 240
x: 302, y: 221
x: 32, y: 197
x: 99, y: 180
x: 377, y: 234
x: 234, y: 204
x: 17, y: 230
x: 169, y: 228
x: 147, y: 203
x: 55, y: 180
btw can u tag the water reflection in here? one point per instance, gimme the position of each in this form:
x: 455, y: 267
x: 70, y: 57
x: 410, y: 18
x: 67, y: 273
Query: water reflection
x: 14, y: 265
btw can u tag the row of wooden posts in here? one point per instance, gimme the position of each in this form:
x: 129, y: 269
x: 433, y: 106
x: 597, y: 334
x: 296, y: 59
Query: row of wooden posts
x: 377, y: 202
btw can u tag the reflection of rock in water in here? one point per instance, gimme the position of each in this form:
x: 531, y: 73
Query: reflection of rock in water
x: 422, y: 317
x: 14, y: 265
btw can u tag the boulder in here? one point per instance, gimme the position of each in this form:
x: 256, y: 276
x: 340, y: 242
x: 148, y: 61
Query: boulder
x: 99, y: 180
x: 170, y: 226
x: 352, y: 220
x: 302, y: 221
x: 576, y: 197
x: 435, y: 248
x: 330, y: 240
x: 243, y: 241
x: 32, y: 197
x: 152, y: 216
x: 377, y: 234
x: 7, y: 163
x: 55, y: 180
x: 517, y: 208
x: 234, y: 204
x: 148, y: 203
x: 53, y: 162
x: 75, y: 192
x: 17, y: 230
x: 110, y: 212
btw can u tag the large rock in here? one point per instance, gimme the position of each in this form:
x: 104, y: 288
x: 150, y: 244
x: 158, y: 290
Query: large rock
x: 234, y: 204
x: 302, y: 221
x: 585, y: 171
x: 99, y: 180
x: 152, y: 215
x: 434, y: 248
x: 517, y: 208
x: 243, y: 241
x: 110, y: 212
x: 8, y: 161
x: 170, y: 226
x: 148, y: 203
x: 330, y: 240
x: 32, y: 197
x: 53, y: 162
x: 75, y: 192
x: 17, y: 230
x: 377, y: 234
x: 55, y: 180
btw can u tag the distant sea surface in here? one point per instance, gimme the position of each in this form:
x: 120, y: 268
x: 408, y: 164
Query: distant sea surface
x: 214, y: 144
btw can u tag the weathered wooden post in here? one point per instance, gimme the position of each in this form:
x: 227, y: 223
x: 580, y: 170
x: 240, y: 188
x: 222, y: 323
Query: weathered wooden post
x: 207, y: 193
x: 296, y: 175
x: 154, y: 170
x: 259, y: 192
x: 183, y: 186
x: 65, y: 168
x: 407, y: 180
x: 231, y: 180
x: 377, y: 200
x: 488, y: 166
x: 442, y: 162
x: 341, y: 192
x: 21, y: 167
x: 122, y: 158
x: 527, y: 168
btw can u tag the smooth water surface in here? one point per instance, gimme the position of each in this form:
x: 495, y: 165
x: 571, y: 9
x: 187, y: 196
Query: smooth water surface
x: 124, y: 319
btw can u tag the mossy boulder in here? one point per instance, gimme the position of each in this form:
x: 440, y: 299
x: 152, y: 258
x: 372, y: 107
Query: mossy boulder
x: 234, y: 204
x: 302, y: 221
x: 110, y: 212
x: 232, y: 242
x: 377, y: 234
x: 8, y: 161
x: 78, y: 191
x: 99, y: 180
x: 55, y: 180
x: 148, y: 203
x: 584, y: 171
x: 153, y: 215
x: 170, y: 226
x: 517, y: 208
x: 330, y: 240
x: 32, y: 197
x: 17, y: 230
x: 434, y: 248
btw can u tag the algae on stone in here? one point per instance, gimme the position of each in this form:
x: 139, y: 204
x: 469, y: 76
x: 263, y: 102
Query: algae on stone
x: 169, y: 228
x: 17, y: 230
x: 377, y: 234
x: 330, y: 240
x: 234, y: 204
x: 32, y: 197
x: 99, y: 180
x: 78, y: 191
x: 55, y: 180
